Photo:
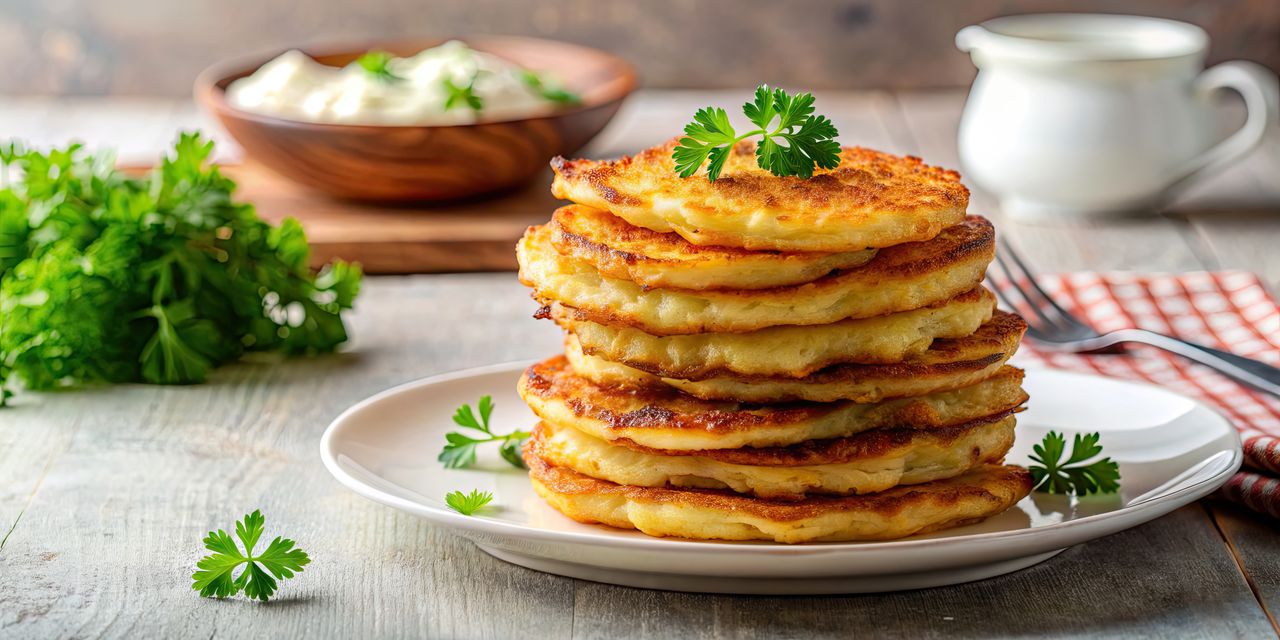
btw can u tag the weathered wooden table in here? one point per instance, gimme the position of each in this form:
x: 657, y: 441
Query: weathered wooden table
x: 105, y: 493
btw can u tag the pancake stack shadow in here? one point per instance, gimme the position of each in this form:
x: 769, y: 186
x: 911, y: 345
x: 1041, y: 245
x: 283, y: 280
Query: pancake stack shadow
x: 765, y: 358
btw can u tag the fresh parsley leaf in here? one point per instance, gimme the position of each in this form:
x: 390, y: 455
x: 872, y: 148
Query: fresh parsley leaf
x: 459, y: 96
x: 110, y: 277
x: 460, y: 449
x: 377, y: 64
x: 510, y: 451
x: 279, y: 561
x: 798, y: 143
x: 558, y: 95
x: 1080, y: 473
x: 468, y: 503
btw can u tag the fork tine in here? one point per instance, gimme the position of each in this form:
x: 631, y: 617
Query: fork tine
x: 1031, y: 279
x: 1023, y: 305
x: 1002, y: 294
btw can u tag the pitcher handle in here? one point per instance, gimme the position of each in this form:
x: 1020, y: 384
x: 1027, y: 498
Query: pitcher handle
x: 1261, y: 93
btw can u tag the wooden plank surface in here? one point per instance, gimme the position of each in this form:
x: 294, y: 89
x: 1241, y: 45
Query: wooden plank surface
x: 473, y: 235
x: 116, y: 486
x: 1253, y: 543
x: 137, y: 474
x: 1091, y: 590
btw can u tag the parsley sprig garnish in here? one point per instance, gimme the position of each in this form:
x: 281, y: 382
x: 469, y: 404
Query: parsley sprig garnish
x: 460, y: 448
x: 794, y: 146
x: 377, y: 64
x: 467, y: 503
x: 1080, y: 473
x: 461, y: 95
x: 538, y: 84
x: 279, y: 561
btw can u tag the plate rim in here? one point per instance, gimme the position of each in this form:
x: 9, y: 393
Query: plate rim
x: 491, y: 526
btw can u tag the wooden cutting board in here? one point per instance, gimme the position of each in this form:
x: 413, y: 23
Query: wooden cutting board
x: 472, y: 235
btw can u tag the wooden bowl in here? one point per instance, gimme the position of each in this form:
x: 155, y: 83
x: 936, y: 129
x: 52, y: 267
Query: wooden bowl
x: 402, y: 163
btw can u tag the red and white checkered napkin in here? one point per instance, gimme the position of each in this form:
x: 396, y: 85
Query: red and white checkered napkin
x: 1229, y: 310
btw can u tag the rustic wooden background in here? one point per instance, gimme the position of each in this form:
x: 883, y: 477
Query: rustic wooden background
x: 145, y: 47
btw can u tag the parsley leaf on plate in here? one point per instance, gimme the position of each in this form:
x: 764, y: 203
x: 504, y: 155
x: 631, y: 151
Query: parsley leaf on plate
x: 280, y: 560
x: 1080, y: 473
x: 468, y: 503
x: 798, y: 143
x: 460, y: 449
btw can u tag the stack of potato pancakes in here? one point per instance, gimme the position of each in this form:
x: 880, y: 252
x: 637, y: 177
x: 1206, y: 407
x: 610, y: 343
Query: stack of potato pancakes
x: 770, y: 358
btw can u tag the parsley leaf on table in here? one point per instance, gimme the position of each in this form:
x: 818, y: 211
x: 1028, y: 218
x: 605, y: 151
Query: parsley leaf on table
x: 468, y: 503
x: 1077, y: 474
x: 377, y: 64
x: 539, y: 85
x: 110, y: 277
x: 279, y: 561
x: 460, y: 449
x: 795, y: 146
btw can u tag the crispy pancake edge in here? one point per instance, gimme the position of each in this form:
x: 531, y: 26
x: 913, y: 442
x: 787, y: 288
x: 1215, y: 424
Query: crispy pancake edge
x: 969, y: 362
x: 960, y: 253
x: 553, y: 380
x: 622, y: 255
x: 876, y: 443
x: 914, y: 461
x: 1011, y: 482
x: 995, y: 341
x: 967, y: 310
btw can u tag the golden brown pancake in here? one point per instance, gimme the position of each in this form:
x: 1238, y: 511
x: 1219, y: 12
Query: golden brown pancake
x: 710, y: 514
x: 784, y: 351
x: 648, y: 258
x: 871, y: 200
x: 662, y: 418
x: 947, y: 364
x: 868, y: 462
x: 899, y: 278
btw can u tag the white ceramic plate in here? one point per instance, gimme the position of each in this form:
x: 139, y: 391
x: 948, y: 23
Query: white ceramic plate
x: 1171, y: 449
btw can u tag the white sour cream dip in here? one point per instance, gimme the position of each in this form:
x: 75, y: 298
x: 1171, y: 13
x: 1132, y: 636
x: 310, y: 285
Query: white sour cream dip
x: 403, y: 91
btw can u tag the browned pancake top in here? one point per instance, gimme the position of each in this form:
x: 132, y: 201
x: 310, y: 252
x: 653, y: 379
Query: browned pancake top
x: 865, y: 182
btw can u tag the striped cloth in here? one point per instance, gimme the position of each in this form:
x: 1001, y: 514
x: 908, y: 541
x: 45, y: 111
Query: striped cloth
x: 1229, y: 310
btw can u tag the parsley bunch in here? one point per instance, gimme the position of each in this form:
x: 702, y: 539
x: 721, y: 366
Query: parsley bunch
x: 279, y: 561
x: 809, y: 139
x: 1078, y: 474
x: 460, y: 449
x: 106, y: 277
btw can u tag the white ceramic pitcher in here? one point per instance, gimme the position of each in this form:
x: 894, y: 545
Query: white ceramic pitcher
x: 1077, y: 113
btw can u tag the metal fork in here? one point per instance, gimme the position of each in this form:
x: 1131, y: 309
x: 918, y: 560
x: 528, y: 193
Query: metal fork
x: 1052, y: 327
